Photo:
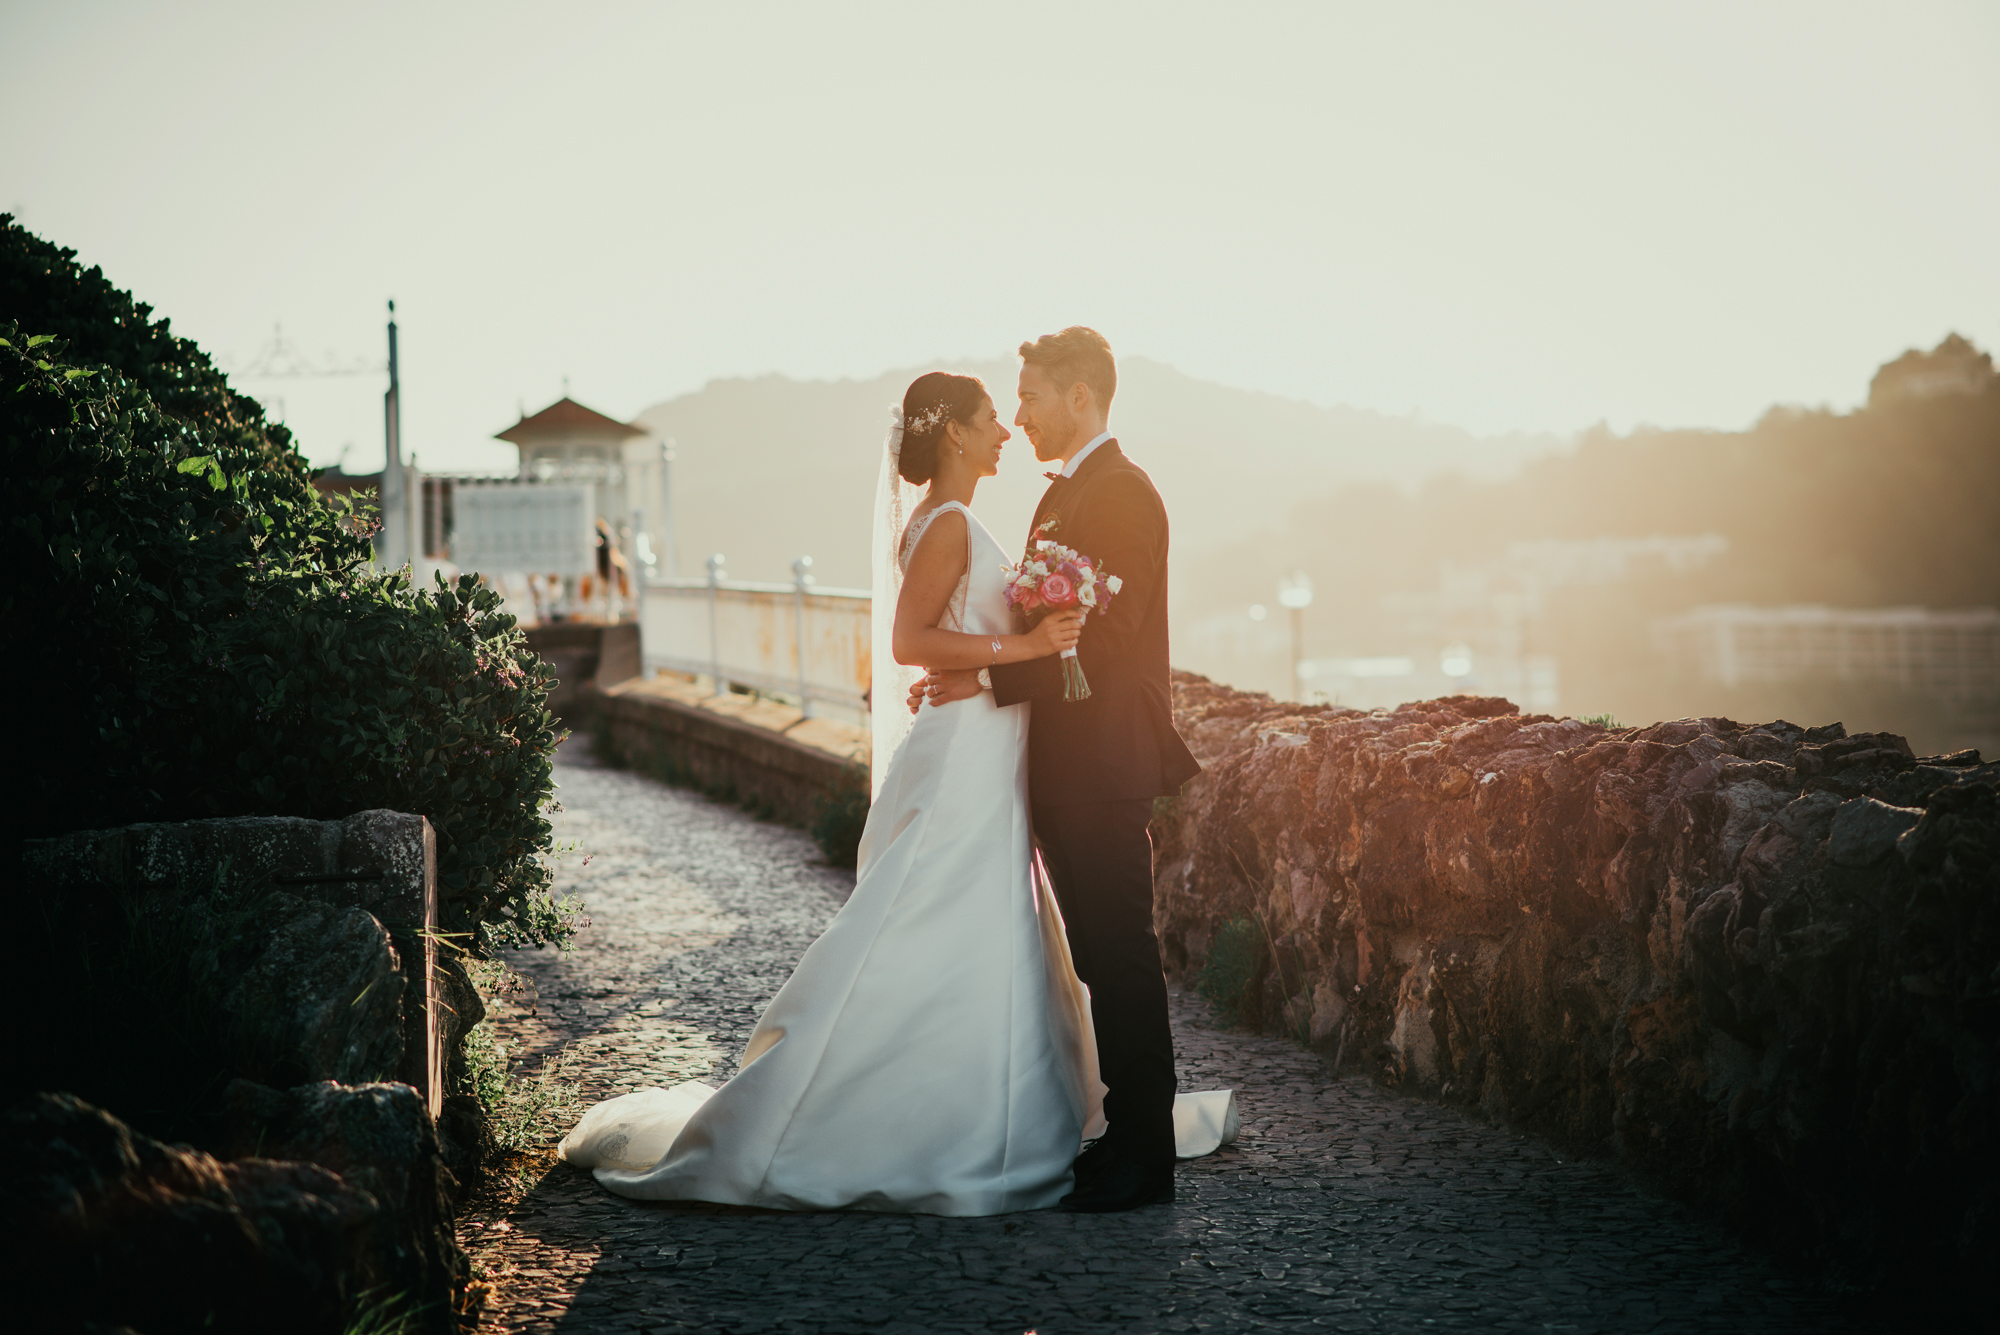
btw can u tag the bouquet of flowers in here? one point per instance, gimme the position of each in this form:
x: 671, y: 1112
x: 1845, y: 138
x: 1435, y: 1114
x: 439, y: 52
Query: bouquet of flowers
x: 1054, y: 578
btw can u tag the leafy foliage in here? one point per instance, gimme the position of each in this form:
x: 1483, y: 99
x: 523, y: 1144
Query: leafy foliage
x: 1235, y: 965
x: 212, y: 640
x: 44, y: 289
x: 841, y: 815
x: 523, y: 1110
x: 376, y: 1313
x: 339, y: 698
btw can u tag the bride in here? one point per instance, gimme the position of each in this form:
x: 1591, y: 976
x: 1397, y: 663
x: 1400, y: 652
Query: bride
x: 933, y: 1050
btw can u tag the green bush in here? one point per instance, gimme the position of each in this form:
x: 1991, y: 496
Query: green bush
x: 210, y: 639
x: 43, y: 289
x: 342, y: 698
x: 1235, y: 964
x: 522, y: 1110
x: 840, y: 816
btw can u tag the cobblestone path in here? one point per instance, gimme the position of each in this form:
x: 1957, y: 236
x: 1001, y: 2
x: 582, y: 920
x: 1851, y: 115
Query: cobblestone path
x: 1342, y: 1206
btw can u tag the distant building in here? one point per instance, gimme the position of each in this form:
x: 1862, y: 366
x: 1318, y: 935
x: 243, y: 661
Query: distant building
x: 1952, y: 656
x: 567, y: 442
x: 1954, y: 366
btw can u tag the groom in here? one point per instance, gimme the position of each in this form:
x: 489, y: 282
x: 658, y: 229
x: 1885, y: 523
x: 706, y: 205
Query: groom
x: 1095, y: 765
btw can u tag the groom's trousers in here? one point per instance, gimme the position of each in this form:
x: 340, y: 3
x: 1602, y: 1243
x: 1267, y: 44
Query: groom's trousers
x: 1100, y: 861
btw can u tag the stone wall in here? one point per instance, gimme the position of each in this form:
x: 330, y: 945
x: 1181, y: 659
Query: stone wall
x: 1760, y: 965
x: 765, y: 755
x: 587, y: 655
x: 352, y: 954
x: 300, y: 1207
x: 334, y: 1199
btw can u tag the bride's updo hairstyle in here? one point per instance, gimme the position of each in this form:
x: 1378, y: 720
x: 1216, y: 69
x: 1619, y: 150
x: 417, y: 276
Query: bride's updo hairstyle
x: 933, y: 399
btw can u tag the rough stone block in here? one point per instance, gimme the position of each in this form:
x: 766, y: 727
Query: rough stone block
x: 381, y: 862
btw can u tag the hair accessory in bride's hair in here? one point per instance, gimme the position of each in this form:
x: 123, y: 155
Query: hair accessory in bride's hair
x: 927, y: 421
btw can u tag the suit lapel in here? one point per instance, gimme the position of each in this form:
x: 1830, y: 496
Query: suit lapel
x: 1065, y: 494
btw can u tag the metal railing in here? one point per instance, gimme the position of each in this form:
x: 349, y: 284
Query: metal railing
x: 796, y: 640
x: 1953, y: 655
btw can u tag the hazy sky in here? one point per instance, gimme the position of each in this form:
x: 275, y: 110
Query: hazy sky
x: 1505, y: 215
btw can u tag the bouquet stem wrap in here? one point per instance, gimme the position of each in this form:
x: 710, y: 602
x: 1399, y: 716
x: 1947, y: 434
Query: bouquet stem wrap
x: 1075, y: 687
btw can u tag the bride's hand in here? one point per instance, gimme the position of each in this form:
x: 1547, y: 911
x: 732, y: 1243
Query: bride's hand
x: 1056, y: 632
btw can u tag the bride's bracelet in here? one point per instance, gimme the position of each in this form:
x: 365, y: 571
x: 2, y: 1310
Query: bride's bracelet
x: 996, y: 650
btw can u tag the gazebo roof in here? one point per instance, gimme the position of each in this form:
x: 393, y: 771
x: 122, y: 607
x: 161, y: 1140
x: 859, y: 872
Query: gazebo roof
x: 566, y: 417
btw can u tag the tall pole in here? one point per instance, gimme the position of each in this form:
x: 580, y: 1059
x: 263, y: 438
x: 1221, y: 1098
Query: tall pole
x: 393, y: 546
x: 434, y: 521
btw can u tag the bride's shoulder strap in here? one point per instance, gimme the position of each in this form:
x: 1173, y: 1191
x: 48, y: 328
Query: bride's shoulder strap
x: 922, y: 525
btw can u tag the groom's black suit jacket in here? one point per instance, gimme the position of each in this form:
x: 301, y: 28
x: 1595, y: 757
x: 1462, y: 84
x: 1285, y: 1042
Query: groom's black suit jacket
x: 1120, y: 743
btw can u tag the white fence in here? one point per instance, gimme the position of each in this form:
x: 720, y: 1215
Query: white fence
x: 796, y: 640
x: 1953, y: 655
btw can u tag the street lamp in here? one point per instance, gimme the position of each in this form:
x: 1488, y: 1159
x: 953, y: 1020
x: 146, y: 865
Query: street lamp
x: 1295, y: 593
x: 716, y: 575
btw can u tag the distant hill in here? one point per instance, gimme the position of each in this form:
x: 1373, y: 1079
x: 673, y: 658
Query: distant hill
x: 771, y: 468
x: 1896, y: 503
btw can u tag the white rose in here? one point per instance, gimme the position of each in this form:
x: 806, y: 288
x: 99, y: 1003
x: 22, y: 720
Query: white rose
x: 1113, y: 583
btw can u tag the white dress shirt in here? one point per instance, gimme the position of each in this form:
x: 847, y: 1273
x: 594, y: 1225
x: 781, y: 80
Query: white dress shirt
x: 1069, y: 469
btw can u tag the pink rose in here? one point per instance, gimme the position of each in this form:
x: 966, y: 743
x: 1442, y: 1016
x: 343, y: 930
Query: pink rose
x: 1057, y: 591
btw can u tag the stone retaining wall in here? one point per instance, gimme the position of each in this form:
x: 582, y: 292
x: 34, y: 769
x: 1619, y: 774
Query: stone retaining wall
x: 335, y: 1200
x: 768, y: 756
x: 1760, y: 965
x: 587, y: 655
x: 305, y: 1206
x: 355, y: 898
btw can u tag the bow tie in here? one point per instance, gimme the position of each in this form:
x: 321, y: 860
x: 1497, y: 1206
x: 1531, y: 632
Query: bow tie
x: 1055, y: 477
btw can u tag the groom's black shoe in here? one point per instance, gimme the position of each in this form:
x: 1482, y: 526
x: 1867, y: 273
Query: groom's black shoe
x: 1096, y: 1157
x: 1121, y: 1183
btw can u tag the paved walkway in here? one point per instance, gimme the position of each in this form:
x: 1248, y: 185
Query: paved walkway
x: 1342, y: 1206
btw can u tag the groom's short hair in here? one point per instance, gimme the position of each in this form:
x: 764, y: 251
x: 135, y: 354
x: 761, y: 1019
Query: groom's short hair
x: 1078, y: 355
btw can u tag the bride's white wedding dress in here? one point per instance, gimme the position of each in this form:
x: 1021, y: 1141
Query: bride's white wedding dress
x: 932, y: 1052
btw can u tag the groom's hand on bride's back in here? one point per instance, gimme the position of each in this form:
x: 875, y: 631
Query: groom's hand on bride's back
x: 941, y: 686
